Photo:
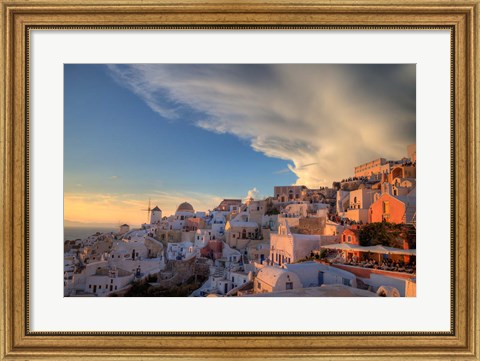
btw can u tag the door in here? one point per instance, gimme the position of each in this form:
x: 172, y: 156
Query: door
x: 320, y: 278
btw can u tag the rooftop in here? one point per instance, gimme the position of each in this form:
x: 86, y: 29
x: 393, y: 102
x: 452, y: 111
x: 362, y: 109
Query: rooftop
x: 322, y: 291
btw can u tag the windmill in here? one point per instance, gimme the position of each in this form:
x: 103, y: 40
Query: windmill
x: 149, y: 209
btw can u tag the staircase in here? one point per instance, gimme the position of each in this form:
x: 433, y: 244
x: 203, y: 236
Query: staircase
x: 219, y: 272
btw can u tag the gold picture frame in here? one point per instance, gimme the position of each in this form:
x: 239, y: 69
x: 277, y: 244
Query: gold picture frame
x: 18, y: 17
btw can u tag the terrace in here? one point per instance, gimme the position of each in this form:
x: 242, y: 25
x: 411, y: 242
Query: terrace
x: 374, y: 257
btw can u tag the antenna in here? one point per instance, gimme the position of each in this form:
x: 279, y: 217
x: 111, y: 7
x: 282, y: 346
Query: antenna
x: 148, y: 210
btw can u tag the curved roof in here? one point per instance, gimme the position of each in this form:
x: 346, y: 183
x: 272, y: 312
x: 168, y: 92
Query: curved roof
x: 270, y: 275
x: 185, y: 207
x: 307, y: 272
x: 322, y: 291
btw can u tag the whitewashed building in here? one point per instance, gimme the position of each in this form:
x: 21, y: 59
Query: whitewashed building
x: 107, y: 280
x: 181, y: 251
x: 156, y: 216
x: 218, y: 223
x: 313, y: 274
x: 274, y: 279
x: 288, y: 247
x: 124, y: 228
x: 178, y: 221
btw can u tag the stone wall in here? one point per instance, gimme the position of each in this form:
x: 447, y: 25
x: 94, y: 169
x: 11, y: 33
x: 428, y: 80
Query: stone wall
x: 180, y: 271
x: 155, y: 248
x: 315, y: 225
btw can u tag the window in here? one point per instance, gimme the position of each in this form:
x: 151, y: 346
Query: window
x: 99, y: 287
x: 386, y: 207
x: 259, y: 285
x: 89, y: 286
x: 349, y: 239
x: 289, y: 285
x: 346, y: 282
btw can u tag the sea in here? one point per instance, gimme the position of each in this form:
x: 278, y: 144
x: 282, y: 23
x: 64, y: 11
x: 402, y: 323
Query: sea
x: 72, y: 233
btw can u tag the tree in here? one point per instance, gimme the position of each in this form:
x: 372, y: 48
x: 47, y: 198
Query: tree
x: 387, y: 234
x: 270, y: 208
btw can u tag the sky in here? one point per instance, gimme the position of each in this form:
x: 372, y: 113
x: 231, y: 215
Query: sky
x: 203, y: 132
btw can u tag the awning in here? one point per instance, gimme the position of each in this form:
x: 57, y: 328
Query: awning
x: 389, y: 250
x: 372, y: 249
x: 344, y: 247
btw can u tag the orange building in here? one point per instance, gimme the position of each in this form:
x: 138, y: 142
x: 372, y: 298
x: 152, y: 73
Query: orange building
x: 400, y: 171
x: 229, y: 205
x: 394, y: 209
x: 412, y: 152
x: 192, y: 224
x: 289, y: 193
x: 367, y: 169
x: 351, y: 236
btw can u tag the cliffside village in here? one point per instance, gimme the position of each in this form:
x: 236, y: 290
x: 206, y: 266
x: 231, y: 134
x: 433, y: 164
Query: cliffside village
x: 355, y: 239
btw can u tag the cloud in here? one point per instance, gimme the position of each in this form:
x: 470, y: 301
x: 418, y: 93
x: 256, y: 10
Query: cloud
x: 114, y: 177
x: 253, y: 194
x: 293, y: 169
x: 324, y: 119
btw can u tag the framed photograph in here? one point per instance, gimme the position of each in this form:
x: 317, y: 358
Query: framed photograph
x: 239, y: 180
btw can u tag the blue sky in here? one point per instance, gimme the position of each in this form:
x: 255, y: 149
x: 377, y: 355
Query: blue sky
x: 115, y: 144
x: 200, y: 133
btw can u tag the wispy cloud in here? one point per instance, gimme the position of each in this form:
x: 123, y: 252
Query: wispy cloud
x: 282, y: 171
x: 325, y: 119
x: 129, y: 208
